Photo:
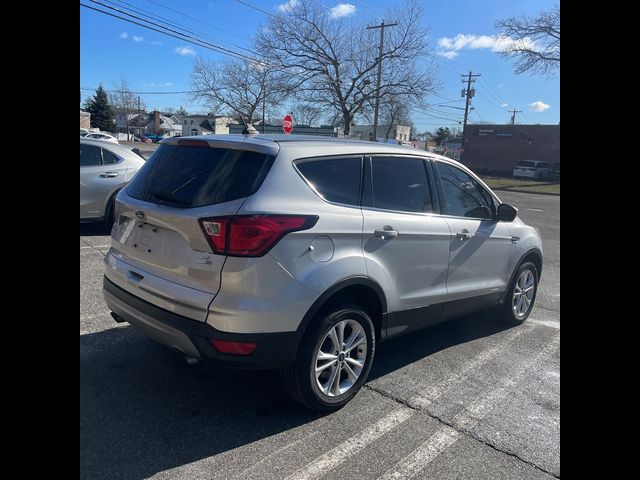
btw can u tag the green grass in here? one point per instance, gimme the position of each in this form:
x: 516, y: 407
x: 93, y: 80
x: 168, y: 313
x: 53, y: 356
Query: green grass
x: 522, y: 184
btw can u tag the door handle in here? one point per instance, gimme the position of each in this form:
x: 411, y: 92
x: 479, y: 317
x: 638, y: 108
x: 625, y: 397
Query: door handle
x: 386, y: 232
x: 464, y: 235
x: 109, y: 174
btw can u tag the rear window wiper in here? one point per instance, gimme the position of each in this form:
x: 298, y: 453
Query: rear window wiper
x: 168, y: 196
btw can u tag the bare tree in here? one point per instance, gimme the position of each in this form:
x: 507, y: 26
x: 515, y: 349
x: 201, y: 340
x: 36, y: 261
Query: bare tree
x: 238, y: 87
x: 394, y: 112
x: 334, y: 60
x: 125, y: 103
x: 306, y: 114
x: 536, y: 42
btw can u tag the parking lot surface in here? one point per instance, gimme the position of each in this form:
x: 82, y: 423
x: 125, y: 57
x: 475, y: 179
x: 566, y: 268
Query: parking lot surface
x: 468, y: 399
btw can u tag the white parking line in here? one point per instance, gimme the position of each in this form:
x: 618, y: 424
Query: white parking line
x: 546, y: 323
x: 446, y: 436
x: 428, y: 395
x: 333, y: 458
x: 345, y: 450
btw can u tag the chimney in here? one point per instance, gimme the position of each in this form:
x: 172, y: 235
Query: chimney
x: 156, y: 122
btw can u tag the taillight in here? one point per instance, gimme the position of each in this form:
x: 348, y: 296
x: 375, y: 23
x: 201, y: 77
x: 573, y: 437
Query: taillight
x: 251, y: 235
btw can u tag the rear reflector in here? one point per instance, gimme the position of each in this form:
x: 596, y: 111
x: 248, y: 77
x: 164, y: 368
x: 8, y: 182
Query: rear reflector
x: 251, y: 235
x: 233, y: 348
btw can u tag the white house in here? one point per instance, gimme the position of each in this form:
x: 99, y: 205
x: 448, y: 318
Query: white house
x: 205, y: 125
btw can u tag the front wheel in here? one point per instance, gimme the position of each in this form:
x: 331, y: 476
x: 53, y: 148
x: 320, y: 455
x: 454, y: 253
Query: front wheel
x: 521, y: 295
x: 333, y: 360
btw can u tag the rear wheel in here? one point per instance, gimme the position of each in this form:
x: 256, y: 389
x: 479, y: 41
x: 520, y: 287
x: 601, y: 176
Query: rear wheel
x: 333, y: 360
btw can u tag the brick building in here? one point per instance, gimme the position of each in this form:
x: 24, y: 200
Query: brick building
x: 498, y: 148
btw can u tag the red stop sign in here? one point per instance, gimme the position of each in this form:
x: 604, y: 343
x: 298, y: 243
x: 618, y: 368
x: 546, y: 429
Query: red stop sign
x: 287, y: 124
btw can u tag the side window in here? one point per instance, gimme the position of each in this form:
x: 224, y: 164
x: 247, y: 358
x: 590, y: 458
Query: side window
x: 335, y: 179
x: 463, y: 195
x: 90, y: 155
x: 109, y: 158
x: 398, y: 183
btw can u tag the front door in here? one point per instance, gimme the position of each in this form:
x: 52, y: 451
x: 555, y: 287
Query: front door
x: 480, y: 245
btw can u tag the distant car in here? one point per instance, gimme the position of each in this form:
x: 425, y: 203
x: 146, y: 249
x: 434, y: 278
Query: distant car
x: 154, y: 138
x: 102, y: 136
x: 105, y: 168
x: 532, y: 169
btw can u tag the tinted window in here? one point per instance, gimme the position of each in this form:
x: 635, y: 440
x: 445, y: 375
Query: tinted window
x: 336, y: 179
x: 543, y: 165
x: 192, y: 176
x: 399, y: 183
x: 89, y: 155
x: 463, y: 195
x: 108, y: 158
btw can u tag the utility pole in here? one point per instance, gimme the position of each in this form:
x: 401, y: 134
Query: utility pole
x: 139, y: 134
x: 513, y: 117
x: 469, y: 93
x: 382, y: 26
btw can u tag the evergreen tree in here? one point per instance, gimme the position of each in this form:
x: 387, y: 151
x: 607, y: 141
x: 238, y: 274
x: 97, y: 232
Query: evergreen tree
x: 101, y: 111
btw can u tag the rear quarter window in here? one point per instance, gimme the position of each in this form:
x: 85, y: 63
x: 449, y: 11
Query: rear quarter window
x: 194, y: 176
x: 335, y: 179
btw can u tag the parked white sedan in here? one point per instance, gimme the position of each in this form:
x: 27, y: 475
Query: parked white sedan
x: 532, y: 169
x: 102, y: 136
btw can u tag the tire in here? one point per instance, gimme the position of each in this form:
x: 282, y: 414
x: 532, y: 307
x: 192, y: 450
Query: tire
x: 331, y: 391
x: 512, y: 311
x: 109, y: 214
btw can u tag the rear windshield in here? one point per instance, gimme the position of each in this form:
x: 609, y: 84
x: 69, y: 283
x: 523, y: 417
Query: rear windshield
x: 526, y: 163
x: 193, y: 176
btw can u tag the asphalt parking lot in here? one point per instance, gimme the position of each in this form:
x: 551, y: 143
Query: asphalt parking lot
x: 467, y: 399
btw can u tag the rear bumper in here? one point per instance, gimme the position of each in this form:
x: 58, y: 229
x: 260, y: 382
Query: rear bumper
x: 191, y: 337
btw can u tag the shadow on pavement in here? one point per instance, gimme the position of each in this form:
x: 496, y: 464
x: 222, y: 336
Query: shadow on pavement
x: 143, y: 410
x: 94, y: 229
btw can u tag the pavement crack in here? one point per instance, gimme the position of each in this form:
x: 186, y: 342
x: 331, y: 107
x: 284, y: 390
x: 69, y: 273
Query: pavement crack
x: 462, y: 431
x: 93, y: 248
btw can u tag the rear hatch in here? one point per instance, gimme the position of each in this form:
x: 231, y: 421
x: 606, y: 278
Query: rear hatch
x: 159, y: 250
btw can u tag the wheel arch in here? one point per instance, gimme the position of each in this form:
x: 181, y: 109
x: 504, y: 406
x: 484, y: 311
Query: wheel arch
x: 361, y: 290
x: 533, y: 255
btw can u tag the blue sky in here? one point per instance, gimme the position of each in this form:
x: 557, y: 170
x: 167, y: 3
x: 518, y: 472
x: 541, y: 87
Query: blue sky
x: 460, y: 31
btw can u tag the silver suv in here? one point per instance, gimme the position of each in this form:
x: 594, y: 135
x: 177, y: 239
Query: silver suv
x: 302, y: 253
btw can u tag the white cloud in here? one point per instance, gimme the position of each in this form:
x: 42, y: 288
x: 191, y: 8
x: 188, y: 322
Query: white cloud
x: 288, y: 6
x: 539, y: 106
x: 124, y: 35
x: 450, y: 54
x: 504, y: 104
x: 342, y: 10
x: 185, y: 51
x: 495, y: 43
x: 137, y: 38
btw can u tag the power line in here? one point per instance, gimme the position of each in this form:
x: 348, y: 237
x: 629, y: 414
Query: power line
x: 145, y: 93
x: 255, y: 8
x: 188, y: 39
x: 214, y: 46
x: 196, y: 19
x: 155, y: 16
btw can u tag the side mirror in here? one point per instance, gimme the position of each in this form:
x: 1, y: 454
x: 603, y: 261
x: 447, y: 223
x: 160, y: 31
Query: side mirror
x: 506, y: 212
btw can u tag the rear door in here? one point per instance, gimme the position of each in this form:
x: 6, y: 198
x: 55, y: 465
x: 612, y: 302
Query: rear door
x: 101, y: 174
x: 159, y: 250
x: 406, y: 245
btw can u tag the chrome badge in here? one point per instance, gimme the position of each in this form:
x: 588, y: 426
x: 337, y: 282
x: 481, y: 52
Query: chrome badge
x: 204, y: 258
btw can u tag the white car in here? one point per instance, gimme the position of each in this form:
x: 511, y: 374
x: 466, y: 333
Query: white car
x: 102, y: 136
x: 532, y: 169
